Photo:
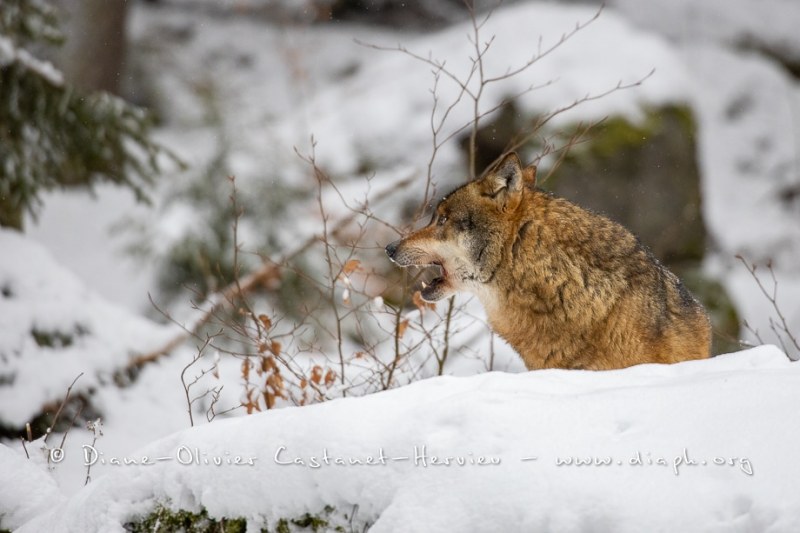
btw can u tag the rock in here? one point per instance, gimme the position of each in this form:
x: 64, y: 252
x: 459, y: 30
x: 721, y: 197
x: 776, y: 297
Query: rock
x: 644, y: 176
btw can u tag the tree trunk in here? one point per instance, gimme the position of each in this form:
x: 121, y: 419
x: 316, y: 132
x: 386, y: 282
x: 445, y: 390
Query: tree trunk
x: 92, y: 57
x: 10, y: 214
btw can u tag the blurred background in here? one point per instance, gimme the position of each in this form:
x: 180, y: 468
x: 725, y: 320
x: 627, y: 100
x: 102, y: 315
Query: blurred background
x: 342, y: 121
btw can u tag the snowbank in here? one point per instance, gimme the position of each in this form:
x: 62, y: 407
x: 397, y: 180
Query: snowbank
x: 53, y: 328
x: 697, y: 446
x: 31, y: 494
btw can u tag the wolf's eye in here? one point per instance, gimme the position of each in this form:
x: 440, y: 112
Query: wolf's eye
x: 441, y: 220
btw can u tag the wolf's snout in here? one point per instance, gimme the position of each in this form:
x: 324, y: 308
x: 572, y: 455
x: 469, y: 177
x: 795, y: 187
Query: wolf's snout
x: 391, y: 248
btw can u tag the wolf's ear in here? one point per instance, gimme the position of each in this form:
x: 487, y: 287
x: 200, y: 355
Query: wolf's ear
x: 505, y: 180
x: 529, y: 175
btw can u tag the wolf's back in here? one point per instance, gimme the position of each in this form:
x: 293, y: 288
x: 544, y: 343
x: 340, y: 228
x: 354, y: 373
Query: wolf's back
x: 582, y: 276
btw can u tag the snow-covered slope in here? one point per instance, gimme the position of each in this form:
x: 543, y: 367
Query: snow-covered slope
x: 53, y: 328
x: 698, y: 446
x: 380, y: 115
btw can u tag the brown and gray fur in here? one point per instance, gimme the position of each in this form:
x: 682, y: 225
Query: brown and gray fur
x: 567, y: 288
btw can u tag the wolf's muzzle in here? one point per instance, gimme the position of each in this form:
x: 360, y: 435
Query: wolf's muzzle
x: 391, y: 248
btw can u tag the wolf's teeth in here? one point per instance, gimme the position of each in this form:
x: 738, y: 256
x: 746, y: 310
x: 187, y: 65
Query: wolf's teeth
x: 424, y: 284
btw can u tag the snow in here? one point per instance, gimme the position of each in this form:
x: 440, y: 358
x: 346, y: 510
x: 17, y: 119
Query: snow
x: 72, y: 225
x: 41, y: 298
x: 32, y: 493
x: 732, y: 410
x: 10, y: 53
x: 730, y: 22
x: 740, y: 108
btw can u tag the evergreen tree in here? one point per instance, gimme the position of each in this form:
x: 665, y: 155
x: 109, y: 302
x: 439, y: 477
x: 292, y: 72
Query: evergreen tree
x: 52, y: 134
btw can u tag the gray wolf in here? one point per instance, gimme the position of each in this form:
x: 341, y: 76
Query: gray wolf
x: 565, y: 287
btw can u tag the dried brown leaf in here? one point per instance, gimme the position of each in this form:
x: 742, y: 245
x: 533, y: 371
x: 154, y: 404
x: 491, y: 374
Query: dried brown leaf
x: 275, y: 348
x: 269, y: 399
x: 316, y: 374
x: 402, y: 327
x: 351, y: 266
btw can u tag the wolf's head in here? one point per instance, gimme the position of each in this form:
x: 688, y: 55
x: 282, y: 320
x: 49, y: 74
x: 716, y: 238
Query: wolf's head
x: 468, y: 232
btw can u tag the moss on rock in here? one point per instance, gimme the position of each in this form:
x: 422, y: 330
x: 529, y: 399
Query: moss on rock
x: 645, y: 176
x: 165, y: 520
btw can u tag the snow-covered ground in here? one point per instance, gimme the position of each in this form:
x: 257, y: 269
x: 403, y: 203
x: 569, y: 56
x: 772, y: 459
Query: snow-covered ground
x: 275, y: 86
x: 697, y: 446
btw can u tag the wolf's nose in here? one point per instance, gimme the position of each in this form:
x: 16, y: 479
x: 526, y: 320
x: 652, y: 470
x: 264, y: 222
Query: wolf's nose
x: 391, y: 248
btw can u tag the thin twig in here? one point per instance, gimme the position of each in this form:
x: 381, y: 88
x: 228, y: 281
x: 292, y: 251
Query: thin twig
x: 203, y: 372
x: 780, y: 329
x: 447, y: 320
x: 96, y: 427
x: 61, y: 408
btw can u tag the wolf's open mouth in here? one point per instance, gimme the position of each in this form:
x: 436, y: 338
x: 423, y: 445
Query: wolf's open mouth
x: 432, y: 287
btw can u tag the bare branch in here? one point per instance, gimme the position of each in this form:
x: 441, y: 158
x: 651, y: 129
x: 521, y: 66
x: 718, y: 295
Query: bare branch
x: 268, y: 270
x: 61, y: 408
